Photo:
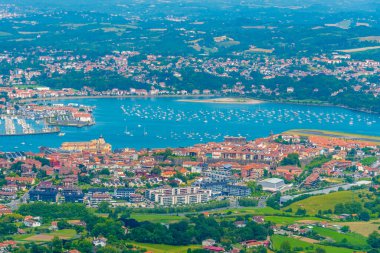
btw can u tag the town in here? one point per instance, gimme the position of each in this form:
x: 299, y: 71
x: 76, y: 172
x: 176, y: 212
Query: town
x: 189, y: 126
x: 145, y: 73
x: 269, y: 174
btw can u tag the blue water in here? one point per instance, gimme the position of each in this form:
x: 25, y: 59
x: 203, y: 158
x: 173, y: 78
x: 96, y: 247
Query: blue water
x: 166, y: 122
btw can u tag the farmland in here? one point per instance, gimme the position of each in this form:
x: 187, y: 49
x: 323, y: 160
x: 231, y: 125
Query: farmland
x: 157, y: 218
x: 360, y: 49
x: 324, y: 202
x: 352, y: 238
x: 361, y: 227
x: 46, y: 237
x: 163, y: 248
x: 277, y: 240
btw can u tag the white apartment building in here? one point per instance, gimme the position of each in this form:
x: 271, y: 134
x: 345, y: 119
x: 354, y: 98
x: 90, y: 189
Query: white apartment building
x: 178, y: 196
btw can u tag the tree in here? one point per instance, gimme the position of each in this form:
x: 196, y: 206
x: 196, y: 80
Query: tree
x: 7, y: 228
x: 108, y: 249
x: 301, y: 212
x: 345, y: 229
x: 16, y: 168
x: 320, y: 250
x: 291, y: 159
x: 56, y: 245
x: 364, y: 216
x: 156, y: 171
x: 83, y: 245
x: 105, y: 171
x: 274, y: 201
x: 285, y: 247
x: 62, y: 224
x: 261, y: 249
x: 34, y: 248
x: 104, y: 207
x: 374, y: 240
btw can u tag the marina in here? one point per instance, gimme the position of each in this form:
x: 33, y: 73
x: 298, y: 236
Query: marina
x: 167, y: 122
x: 17, y: 126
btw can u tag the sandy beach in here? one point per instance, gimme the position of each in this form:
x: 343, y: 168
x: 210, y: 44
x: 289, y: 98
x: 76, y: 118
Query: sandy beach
x: 224, y: 101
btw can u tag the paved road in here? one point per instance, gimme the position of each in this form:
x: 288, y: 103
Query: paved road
x: 14, y: 204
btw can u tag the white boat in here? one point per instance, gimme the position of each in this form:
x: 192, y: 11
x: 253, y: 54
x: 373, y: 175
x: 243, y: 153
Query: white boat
x: 126, y: 131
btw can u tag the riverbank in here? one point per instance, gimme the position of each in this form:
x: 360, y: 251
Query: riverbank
x: 223, y: 101
x: 333, y: 134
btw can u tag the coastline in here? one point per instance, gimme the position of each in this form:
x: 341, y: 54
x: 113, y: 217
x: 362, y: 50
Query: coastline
x: 247, y: 101
x: 183, y: 98
x: 111, y: 96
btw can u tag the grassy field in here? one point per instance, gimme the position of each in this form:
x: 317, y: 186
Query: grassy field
x: 324, y: 202
x: 277, y: 240
x: 333, y: 180
x: 46, y: 237
x: 361, y: 49
x: 226, y: 213
x: 163, y: 248
x: 280, y: 220
x: 259, y: 50
x: 233, y: 212
x: 352, y: 238
x: 157, y: 218
x: 362, y: 227
x: 313, y: 132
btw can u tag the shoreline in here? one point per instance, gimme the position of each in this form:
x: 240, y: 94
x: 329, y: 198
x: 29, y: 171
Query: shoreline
x: 183, y: 98
x: 111, y: 96
x: 246, y: 101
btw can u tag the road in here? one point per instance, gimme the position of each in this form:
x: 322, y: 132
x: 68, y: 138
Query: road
x: 14, y: 204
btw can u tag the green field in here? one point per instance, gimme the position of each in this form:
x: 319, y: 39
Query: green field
x: 352, y: 238
x: 361, y: 49
x: 333, y: 134
x: 157, y: 218
x: 163, y: 248
x: 362, y: 227
x: 280, y: 220
x: 248, y: 210
x: 46, y: 237
x: 277, y: 240
x: 324, y: 202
